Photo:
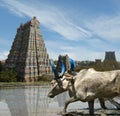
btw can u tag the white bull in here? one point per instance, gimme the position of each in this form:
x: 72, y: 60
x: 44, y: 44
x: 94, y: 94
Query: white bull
x: 89, y: 85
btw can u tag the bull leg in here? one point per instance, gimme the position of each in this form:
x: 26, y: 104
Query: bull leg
x: 115, y: 103
x: 102, y: 103
x: 91, y: 107
x: 68, y: 102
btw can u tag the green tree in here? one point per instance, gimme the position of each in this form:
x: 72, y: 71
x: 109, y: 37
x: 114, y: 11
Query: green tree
x: 1, y: 67
x: 8, y: 75
x: 110, y: 65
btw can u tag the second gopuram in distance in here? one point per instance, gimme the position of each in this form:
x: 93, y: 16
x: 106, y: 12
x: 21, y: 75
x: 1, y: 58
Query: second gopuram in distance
x: 28, y: 54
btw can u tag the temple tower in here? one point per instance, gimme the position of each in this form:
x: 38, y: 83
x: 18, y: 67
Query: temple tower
x: 110, y: 56
x: 65, y: 60
x: 110, y: 62
x: 28, y: 55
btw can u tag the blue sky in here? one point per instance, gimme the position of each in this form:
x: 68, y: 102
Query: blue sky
x: 83, y: 29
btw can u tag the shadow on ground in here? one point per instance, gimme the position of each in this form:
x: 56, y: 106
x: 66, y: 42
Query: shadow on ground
x: 98, y: 112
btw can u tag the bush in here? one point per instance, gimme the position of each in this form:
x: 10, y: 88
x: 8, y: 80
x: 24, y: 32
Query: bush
x: 45, y: 77
x: 1, y: 67
x: 8, y: 75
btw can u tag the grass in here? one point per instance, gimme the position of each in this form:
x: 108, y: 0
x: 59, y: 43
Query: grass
x: 17, y: 84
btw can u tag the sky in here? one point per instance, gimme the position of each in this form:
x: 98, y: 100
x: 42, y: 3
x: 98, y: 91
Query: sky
x: 83, y: 29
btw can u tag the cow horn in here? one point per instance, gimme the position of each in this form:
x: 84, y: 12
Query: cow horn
x: 72, y: 64
x: 62, y: 69
x: 54, y: 69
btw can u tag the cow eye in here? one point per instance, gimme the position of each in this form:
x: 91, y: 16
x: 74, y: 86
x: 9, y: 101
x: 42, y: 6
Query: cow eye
x: 53, y: 82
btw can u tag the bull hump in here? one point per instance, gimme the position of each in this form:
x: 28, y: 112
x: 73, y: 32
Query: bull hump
x: 91, y: 70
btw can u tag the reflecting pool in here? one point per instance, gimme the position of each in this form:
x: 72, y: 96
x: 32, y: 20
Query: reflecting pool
x: 33, y: 101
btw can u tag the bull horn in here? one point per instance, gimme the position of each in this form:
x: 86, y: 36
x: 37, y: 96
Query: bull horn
x: 62, y: 69
x: 72, y: 64
x: 54, y: 69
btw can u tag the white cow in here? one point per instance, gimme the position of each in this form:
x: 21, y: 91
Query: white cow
x: 89, y: 85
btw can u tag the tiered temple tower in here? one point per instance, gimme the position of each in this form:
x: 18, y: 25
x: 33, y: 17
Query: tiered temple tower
x: 65, y: 60
x: 28, y: 55
x: 110, y: 56
x: 110, y: 62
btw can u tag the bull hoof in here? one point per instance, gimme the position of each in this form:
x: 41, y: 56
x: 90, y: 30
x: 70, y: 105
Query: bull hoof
x: 104, y: 108
x: 118, y: 108
x: 91, y: 113
x: 64, y: 114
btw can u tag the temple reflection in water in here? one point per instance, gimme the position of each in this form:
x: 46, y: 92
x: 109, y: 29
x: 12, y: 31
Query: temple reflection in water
x: 29, y: 101
x: 33, y: 101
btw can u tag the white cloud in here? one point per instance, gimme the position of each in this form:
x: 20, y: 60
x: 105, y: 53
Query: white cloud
x: 103, y: 27
x: 50, y: 17
x: 76, y: 52
x: 106, y: 27
x: 3, y: 55
x: 96, y: 50
x: 82, y: 53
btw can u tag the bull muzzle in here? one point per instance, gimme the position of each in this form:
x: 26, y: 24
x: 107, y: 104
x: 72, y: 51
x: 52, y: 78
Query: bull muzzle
x: 50, y: 95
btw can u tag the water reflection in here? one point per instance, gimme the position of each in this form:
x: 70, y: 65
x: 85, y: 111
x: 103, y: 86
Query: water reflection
x: 61, y: 98
x: 33, y: 101
x: 15, y: 100
x: 28, y: 101
x: 37, y: 100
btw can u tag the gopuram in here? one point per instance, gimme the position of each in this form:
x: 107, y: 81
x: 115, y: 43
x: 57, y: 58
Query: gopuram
x: 110, y: 55
x: 65, y: 60
x: 110, y: 62
x: 28, y: 54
